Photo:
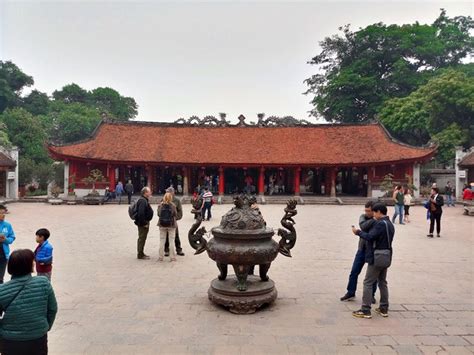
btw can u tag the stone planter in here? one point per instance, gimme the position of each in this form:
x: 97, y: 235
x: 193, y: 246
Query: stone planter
x: 93, y: 200
x: 71, y: 199
x: 55, y: 201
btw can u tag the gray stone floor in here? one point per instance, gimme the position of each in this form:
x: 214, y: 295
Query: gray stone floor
x: 110, y: 302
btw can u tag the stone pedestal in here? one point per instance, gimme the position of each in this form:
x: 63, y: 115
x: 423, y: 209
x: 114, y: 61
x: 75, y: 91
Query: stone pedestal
x: 258, y: 294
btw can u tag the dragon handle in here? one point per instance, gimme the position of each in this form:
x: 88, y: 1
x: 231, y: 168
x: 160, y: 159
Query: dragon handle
x: 288, y: 235
x: 196, y: 234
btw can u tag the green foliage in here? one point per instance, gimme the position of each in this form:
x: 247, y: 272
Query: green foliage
x: 4, y: 139
x: 71, y: 93
x: 36, y: 103
x: 27, y: 133
x: 12, y: 81
x: 68, y: 123
x: 360, y: 70
x: 441, y: 110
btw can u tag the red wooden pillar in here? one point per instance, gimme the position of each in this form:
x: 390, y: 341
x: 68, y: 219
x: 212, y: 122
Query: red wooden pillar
x: 297, y: 181
x: 333, y: 181
x: 221, y: 181
x: 111, y: 171
x: 261, y: 181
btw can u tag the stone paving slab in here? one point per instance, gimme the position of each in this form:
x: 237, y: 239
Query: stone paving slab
x: 112, y: 303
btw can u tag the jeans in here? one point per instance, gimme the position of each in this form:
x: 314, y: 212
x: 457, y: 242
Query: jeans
x: 171, y: 232
x: 3, y: 267
x: 142, y: 235
x: 206, y: 207
x: 177, y: 242
x: 357, y: 265
x: 398, y: 212
x: 375, y: 274
x: 435, y: 217
x: 119, y: 196
x: 25, y: 347
x: 129, y: 198
x: 449, y: 200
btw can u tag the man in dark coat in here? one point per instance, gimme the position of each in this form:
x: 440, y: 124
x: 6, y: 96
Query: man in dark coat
x: 436, y: 210
x: 129, y: 190
x: 142, y: 220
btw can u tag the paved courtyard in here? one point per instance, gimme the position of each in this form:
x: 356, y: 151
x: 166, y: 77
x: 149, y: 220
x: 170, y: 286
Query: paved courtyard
x: 110, y: 302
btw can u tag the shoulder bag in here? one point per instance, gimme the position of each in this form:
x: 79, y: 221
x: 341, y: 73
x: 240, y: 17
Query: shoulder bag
x: 383, y: 257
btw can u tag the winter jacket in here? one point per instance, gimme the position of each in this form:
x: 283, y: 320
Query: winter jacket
x: 377, y: 237
x: 31, y: 314
x: 129, y: 189
x: 144, y: 212
x: 44, y: 257
x: 7, y: 230
x: 435, y: 207
x: 179, y: 208
x: 365, y: 224
x: 174, y: 213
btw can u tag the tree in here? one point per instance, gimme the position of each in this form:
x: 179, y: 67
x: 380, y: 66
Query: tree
x: 441, y: 110
x: 360, y: 70
x: 37, y: 103
x: 110, y: 102
x: 71, y: 93
x: 4, y: 139
x: 68, y: 123
x: 27, y: 133
x: 12, y: 82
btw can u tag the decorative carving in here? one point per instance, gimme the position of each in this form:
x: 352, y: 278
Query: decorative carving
x: 243, y: 240
x: 272, y: 121
x: 195, y: 235
x: 288, y: 239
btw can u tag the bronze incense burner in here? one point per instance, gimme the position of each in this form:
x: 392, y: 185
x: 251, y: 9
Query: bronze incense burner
x: 243, y: 240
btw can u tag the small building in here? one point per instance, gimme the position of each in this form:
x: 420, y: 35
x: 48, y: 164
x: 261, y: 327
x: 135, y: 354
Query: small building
x: 272, y: 156
x: 8, y: 173
x: 464, y: 169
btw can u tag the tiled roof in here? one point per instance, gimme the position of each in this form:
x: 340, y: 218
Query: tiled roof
x: 5, y: 160
x: 467, y: 161
x: 139, y: 142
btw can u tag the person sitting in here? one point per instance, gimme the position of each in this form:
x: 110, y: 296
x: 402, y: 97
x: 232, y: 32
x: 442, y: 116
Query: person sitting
x: 29, y: 307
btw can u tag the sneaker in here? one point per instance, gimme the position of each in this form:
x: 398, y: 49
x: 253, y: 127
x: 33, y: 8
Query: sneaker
x: 382, y: 312
x: 347, y: 297
x: 374, y: 301
x: 430, y: 235
x: 439, y: 236
x: 167, y: 253
x: 180, y: 253
x: 402, y: 223
x: 362, y: 314
x: 143, y: 257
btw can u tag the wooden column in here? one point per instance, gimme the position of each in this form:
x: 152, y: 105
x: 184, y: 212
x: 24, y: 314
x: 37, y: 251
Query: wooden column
x: 297, y: 180
x: 333, y: 181
x: 111, y: 176
x: 261, y: 181
x: 185, y: 181
x: 221, y: 181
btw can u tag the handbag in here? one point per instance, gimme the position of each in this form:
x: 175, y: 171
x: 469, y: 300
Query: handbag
x: 14, y: 298
x: 383, y: 257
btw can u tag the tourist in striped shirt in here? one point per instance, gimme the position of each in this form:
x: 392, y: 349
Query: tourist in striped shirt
x: 207, y: 203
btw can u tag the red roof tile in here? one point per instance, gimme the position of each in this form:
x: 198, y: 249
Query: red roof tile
x: 139, y: 142
x: 467, y: 161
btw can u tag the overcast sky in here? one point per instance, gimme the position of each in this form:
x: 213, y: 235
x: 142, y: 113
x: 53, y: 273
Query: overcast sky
x: 179, y: 59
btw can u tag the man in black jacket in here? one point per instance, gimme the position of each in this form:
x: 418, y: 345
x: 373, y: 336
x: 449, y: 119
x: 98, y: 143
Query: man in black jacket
x: 436, y: 210
x: 144, y: 216
x: 366, y: 222
x: 381, y: 237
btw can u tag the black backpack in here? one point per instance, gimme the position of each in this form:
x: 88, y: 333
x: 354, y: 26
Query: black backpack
x: 133, y: 210
x: 166, y: 215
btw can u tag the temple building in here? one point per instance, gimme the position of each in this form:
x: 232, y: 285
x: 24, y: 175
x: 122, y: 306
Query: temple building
x: 272, y: 156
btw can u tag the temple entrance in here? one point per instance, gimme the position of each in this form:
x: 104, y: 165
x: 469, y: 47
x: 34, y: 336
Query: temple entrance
x: 314, y: 181
x: 204, y: 177
x: 351, y: 181
x: 167, y: 176
x: 138, y: 176
x: 277, y: 181
x: 240, y: 180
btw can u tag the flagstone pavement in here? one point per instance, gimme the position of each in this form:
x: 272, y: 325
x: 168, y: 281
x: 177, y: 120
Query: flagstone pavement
x: 112, y: 303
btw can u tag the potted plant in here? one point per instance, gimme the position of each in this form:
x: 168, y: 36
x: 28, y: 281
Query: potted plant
x: 55, y: 192
x: 93, y: 197
x: 387, y: 187
x: 71, y: 194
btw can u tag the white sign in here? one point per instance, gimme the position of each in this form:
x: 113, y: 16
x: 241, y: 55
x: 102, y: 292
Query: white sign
x: 11, y: 175
x: 462, y: 174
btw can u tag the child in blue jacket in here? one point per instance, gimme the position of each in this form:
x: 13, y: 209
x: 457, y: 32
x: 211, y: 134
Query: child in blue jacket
x: 43, y: 254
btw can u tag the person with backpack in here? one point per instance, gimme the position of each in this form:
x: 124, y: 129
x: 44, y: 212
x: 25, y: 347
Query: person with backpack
x: 435, y: 203
x: 129, y: 190
x: 119, y: 191
x: 399, y: 200
x: 167, y: 214
x: 380, y: 237
x: 142, y: 213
